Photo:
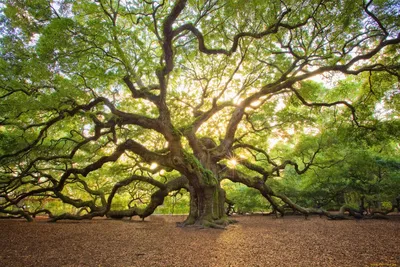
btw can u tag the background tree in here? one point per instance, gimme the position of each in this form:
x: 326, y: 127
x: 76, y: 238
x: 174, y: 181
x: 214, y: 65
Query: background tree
x: 103, y: 98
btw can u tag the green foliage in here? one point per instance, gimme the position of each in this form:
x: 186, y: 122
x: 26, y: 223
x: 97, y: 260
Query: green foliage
x: 355, y: 172
x: 54, y: 39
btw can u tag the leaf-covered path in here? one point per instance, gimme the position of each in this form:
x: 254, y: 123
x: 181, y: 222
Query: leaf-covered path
x: 254, y: 241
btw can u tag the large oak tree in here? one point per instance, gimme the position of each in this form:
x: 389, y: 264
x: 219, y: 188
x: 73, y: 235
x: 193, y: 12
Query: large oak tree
x: 159, y: 96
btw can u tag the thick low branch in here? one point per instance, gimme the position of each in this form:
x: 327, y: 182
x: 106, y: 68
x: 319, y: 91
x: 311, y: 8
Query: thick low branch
x: 18, y: 213
x: 253, y: 182
x: 157, y: 199
x: 130, y: 145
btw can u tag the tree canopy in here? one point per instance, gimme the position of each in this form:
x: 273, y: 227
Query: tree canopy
x: 111, y: 106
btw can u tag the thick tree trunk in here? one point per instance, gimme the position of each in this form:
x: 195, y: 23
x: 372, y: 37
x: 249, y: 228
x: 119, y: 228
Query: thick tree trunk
x: 207, y: 204
x: 207, y: 207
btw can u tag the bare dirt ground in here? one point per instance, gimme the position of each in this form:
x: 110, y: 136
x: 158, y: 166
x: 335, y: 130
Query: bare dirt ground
x: 254, y: 241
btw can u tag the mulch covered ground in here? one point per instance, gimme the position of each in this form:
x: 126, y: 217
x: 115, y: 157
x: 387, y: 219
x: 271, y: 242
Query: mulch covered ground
x: 254, y: 241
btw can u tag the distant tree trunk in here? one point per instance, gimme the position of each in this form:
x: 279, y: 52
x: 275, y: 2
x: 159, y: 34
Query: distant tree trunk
x: 362, y: 204
x: 230, y: 209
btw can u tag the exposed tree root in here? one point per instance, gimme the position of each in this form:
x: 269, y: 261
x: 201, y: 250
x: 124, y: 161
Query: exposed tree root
x: 203, y: 224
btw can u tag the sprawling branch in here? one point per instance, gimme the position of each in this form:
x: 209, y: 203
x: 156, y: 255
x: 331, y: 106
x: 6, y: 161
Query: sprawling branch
x: 124, y: 118
x: 140, y: 93
x: 257, y: 183
x: 157, y: 198
x: 282, y: 84
x: 321, y: 104
x: 259, y: 150
x: 169, y: 35
x: 270, y: 30
x: 372, y: 15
